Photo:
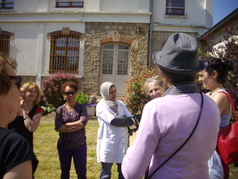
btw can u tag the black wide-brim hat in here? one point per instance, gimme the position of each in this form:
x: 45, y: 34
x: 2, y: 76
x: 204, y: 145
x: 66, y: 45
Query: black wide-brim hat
x: 179, y: 55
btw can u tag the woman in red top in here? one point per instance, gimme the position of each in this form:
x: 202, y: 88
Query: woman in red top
x: 29, y: 113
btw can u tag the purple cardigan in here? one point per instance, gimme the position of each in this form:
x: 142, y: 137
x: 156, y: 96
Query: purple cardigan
x: 166, y: 123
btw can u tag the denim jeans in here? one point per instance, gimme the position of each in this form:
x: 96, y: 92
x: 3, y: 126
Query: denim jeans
x: 79, y: 155
x: 106, y: 171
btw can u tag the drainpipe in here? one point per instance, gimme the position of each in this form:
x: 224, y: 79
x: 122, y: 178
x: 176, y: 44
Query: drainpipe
x: 150, y: 32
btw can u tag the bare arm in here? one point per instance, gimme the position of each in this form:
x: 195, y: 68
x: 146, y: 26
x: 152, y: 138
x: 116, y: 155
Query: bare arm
x: 32, y: 124
x: 223, y: 103
x: 21, y: 171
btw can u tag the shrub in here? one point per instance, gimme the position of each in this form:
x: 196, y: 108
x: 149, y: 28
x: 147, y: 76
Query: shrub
x: 51, y: 88
x: 82, y: 98
x: 135, y: 97
x: 47, y: 108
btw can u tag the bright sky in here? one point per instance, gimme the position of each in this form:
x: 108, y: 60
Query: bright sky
x: 222, y: 8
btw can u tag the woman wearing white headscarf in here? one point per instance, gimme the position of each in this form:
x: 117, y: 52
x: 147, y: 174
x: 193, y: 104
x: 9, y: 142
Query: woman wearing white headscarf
x: 113, y: 118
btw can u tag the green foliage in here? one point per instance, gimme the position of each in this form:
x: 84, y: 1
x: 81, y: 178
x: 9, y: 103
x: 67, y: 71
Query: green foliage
x: 135, y: 98
x: 82, y: 98
x: 51, y: 88
x: 48, y: 108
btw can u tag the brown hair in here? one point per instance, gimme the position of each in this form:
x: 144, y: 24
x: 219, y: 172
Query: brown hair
x: 70, y: 84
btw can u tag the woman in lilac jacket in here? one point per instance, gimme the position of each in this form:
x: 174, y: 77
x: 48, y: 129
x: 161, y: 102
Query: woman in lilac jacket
x: 168, y: 121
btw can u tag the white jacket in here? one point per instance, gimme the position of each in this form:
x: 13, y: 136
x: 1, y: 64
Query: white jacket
x: 112, y: 142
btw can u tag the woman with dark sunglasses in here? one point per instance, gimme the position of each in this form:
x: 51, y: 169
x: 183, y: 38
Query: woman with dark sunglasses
x: 17, y: 159
x: 70, y: 121
x: 29, y: 113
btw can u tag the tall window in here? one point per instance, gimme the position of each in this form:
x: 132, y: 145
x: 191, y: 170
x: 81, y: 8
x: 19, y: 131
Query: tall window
x: 175, y: 7
x: 5, y: 43
x: 69, y: 3
x: 6, y: 4
x: 64, y: 53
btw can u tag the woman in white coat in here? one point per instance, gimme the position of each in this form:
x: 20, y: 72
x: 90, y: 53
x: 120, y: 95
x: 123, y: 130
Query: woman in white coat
x: 112, y: 141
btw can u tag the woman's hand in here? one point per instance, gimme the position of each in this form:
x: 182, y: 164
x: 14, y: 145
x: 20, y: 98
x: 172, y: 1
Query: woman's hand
x: 23, y: 105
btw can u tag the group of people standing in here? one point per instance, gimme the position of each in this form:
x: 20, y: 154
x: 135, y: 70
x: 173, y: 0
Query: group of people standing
x: 178, y: 130
x: 20, y: 116
x: 177, y: 137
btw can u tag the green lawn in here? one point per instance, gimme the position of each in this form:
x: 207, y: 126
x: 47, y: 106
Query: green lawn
x: 45, y: 139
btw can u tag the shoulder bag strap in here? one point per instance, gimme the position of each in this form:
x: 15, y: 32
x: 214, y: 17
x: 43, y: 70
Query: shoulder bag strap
x: 231, y: 102
x: 200, y: 112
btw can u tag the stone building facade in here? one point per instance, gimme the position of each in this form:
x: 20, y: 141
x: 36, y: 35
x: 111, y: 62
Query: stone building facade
x: 97, y: 34
x: 135, y: 29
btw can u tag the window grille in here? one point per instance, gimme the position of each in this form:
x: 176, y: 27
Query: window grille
x: 107, y: 64
x: 120, y: 53
x: 69, y: 3
x: 175, y: 7
x: 64, y: 55
x: 6, y: 4
x: 5, y: 44
x: 122, y: 62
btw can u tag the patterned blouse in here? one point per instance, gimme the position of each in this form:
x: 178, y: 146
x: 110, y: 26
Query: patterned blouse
x: 71, y: 140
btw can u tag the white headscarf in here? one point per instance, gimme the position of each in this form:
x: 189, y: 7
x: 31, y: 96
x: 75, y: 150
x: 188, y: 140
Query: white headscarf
x: 104, y: 90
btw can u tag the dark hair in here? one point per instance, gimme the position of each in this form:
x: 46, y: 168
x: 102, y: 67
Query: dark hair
x: 179, y: 78
x: 222, y: 66
x: 112, y: 86
x: 70, y: 84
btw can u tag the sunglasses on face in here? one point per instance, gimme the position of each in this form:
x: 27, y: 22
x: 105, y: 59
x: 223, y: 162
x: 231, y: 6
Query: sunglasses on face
x: 17, y: 78
x: 69, y: 93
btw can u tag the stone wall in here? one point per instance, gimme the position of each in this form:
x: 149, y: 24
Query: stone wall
x: 27, y: 79
x: 97, y: 34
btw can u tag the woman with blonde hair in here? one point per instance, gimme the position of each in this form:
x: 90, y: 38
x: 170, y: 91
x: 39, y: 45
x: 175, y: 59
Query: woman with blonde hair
x: 29, y: 113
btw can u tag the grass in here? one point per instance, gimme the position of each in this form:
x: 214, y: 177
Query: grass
x: 45, y: 140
